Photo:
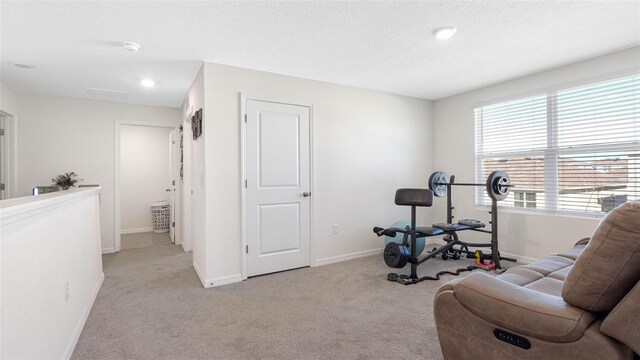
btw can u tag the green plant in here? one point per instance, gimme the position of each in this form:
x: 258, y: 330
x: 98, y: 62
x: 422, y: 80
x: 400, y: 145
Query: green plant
x: 66, y: 180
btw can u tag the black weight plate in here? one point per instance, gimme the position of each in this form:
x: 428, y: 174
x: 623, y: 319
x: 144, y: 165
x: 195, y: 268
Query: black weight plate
x: 435, y: 183
x: 498, y: 185
x: 472, y: 223
x: 396, y: 255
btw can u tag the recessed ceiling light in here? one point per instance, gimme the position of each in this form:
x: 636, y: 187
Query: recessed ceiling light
x: 148, y: 83
x: 444, y: 33
x: 24, y: 66
x: 131, y: 46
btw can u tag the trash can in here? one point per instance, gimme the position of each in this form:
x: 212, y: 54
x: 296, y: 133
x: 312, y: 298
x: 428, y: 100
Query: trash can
x: 160, y: 216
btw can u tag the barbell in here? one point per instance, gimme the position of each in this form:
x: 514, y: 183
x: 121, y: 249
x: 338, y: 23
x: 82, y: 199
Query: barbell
x: 497, y: 184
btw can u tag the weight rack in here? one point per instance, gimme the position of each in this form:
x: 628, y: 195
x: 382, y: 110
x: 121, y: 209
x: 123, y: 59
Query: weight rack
x: 497, y: 186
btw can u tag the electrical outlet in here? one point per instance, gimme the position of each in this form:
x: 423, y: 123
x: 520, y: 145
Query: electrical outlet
x: 66, y: 291
x: 335, y: 229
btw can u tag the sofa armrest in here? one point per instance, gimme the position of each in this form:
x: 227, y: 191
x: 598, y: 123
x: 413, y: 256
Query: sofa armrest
x: 622, y: 322
x: 522, y: 310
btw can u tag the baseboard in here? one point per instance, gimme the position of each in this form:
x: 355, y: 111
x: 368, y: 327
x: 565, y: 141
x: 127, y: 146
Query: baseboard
x: 108, y: 250
x: 223, y: 280
x: 345, y: 257
x: 522, y: 260
x: 200, y: 275
x: 71, y: 345
x: 136, y: 231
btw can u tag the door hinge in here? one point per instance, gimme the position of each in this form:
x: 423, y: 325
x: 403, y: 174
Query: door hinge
x: 1, y: 132
x: 245, y: 117
x: 173, y: 224
x: 245, y: 183
x: 246, y: 249
x: 1, y: 187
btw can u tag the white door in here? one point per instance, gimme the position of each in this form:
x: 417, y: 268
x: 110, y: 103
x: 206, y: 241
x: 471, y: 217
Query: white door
x: 174, y: 195
x: 278, y: 187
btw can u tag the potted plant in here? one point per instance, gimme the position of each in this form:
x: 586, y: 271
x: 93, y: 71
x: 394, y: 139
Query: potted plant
x: 66, y: 180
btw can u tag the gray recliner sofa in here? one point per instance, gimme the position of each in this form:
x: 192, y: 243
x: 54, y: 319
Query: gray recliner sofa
x: 581, y: 303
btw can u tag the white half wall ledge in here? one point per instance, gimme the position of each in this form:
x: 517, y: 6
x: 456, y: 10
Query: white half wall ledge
x: 16, y: 209
x: 51, y: 239
x: 346, y: 257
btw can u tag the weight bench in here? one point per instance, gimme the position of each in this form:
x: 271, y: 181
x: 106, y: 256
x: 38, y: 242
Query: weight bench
x: 397, y: 255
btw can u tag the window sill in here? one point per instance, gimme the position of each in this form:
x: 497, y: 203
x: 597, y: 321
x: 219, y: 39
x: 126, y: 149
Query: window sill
x: 513, y: 210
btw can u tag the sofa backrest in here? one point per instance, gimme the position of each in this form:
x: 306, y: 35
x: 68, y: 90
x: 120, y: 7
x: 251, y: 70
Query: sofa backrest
x: 609, y: 266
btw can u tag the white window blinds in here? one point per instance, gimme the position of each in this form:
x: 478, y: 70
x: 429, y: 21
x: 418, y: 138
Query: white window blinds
x: 575, y: 150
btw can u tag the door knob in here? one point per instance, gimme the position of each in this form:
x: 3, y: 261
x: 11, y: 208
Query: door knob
x: 306, y: 194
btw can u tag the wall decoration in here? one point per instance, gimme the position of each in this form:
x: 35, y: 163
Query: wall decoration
x: 196, y: 124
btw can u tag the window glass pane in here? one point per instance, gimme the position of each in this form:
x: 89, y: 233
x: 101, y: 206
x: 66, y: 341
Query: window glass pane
x: 597, y: 182
x: 581, y: 144
x: 515, y: 126
x: 597, y: 114
x: 527, y: 177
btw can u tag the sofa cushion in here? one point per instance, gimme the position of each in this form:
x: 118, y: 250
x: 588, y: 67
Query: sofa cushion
x: 609, y: 266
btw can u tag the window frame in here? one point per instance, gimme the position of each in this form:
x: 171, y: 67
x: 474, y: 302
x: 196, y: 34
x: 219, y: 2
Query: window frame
x: 551, y: 153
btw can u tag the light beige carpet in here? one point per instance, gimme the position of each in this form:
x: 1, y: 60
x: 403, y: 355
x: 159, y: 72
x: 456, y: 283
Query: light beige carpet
x: 140, y: 240
x: 152, y: 306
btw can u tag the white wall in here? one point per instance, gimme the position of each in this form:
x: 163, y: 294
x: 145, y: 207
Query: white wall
x: 366, y: 144
x: 193, y: 208
x: 59, y: 134
x: 526, y: 235
x: 144, y: 174
x: 47, y: 241
x: 8, y: 100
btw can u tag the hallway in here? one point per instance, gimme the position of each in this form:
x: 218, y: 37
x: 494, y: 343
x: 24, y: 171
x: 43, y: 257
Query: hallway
x: 143, y: 288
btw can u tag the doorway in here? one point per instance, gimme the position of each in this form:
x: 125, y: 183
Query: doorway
x: 144, y: 185
x: 4, y: 159
x: 278, y: 186
x: 8, y: 154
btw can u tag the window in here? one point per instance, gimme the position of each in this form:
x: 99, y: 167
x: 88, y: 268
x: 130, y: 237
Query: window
x: 574, y: 150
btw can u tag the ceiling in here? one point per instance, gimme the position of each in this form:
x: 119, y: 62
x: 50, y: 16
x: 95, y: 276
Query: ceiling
x: 385, y: 46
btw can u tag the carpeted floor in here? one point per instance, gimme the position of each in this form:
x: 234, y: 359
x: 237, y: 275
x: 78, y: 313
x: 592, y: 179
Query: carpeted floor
x: 152, y: 306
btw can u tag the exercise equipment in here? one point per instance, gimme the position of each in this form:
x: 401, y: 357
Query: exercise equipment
x: 396, y: 255
x: 471, y: 223
x: 480, y: 261
x: 399, y: 254
x: 401, y: 240
x: 497, y: 184
x: 406, y: 280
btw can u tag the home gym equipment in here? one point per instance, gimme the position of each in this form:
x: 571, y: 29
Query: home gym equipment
x: 480, y: 261
x: 497, y: 184
x: 403, y: 224
x: 397, y: 254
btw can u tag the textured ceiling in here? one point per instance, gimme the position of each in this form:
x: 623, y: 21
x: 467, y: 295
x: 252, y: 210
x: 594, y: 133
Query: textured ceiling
x: 385, y: 46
